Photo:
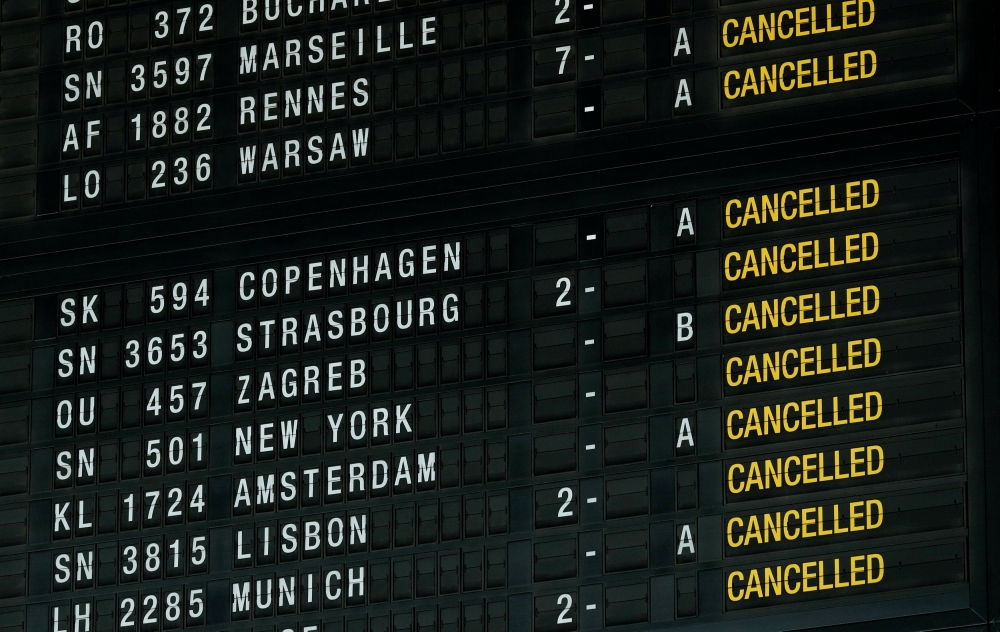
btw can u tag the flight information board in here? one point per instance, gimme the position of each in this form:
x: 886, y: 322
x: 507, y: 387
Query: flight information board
x: 504, y: 315
x: 148, y: 102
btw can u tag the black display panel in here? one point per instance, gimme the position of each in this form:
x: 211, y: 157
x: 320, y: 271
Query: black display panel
x: 450, y: 316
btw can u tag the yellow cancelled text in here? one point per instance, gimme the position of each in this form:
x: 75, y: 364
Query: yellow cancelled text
x: 805, y: 469
x: 808, y: 414
x: 790, y: 364
x: 802, y: 22
x: 772, y: 581
x: 802, y: 309
x: 801, y: 74
x: 801, y: 203
x: 804, y: 523
x: 802, y: 256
